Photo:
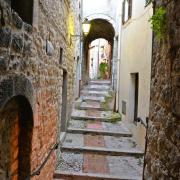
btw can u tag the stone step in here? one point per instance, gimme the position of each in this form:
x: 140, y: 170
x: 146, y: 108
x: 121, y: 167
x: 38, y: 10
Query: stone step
x: 91, y: 176
x: 92, y: 98
x: 101, y: 144
x: 94, y: 166
x: 94, y: 93
x: 93, y: 105
x: 91, y: 115
x: 103, y: 151
x: 99, y: 132
x: 89, y: 125
x: 97, y: 87
x: 100, y: 82
x: 88, y: 105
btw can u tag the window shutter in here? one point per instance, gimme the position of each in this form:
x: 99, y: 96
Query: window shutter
x: 123, y: 12
x: 130, y: 9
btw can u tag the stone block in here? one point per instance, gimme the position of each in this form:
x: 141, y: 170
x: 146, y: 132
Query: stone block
x: 17, y: 42
x: 28, y: 28
x: 17, y: 21
x: 5, y: 37
x: 49, y: 48
x: 3, y: 64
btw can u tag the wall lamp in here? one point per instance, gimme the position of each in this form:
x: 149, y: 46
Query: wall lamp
x: 86, y: 26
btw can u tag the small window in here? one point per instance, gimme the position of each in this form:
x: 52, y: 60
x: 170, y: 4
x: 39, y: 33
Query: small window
x: 61, y: 56
x: 126, y: 10
x: 147, y: 2
x: 24, y: 8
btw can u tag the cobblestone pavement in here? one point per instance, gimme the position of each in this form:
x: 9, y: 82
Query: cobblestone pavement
x: 94, y: 147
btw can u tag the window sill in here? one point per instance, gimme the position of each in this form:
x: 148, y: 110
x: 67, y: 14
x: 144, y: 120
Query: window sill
x: 125, y: 24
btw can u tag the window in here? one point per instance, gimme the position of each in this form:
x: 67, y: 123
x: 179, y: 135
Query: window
x: 147, y: 2
x: 24, y: 9
x: 126, y: 10
x: 61, y: 56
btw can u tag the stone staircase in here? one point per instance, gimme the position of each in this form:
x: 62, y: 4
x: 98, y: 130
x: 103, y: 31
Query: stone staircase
x: 96, y: 145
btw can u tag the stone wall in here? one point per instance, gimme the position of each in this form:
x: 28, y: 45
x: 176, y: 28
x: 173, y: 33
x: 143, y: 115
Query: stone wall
x: 163, y: 156
x: 33, y: 51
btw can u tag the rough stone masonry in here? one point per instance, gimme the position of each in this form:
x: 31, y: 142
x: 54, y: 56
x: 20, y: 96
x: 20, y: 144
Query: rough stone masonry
x: 30, y: 65
x: 163, y: 156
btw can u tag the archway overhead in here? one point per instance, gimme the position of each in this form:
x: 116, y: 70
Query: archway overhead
x: 100, y: 28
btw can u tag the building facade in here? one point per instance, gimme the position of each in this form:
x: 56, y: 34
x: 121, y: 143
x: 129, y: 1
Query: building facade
x: 134, y: 62
x: 36, y: 83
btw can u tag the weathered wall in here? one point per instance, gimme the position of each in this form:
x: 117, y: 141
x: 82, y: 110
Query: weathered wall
x: 23, y: 52
x: 135, y: 57
x: 164, y: 126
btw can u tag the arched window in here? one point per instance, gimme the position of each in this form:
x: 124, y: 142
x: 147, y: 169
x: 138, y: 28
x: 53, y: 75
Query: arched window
x: 126, y: 10
x: 24, y: 8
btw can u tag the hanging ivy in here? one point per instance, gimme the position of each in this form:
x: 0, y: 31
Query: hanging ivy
x: 158, y: 22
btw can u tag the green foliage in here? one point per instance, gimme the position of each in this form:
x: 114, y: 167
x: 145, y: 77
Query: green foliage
x: 105, y: 103
x: 107, y: 100
x: 103, y: 68
x: 115, y: 117
x: 158, y: 22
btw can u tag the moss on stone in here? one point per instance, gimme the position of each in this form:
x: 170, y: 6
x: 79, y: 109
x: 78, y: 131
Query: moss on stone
x: 115, y: 117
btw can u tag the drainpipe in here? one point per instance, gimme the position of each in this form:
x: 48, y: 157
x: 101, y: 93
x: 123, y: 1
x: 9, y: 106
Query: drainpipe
x: 119, y: 62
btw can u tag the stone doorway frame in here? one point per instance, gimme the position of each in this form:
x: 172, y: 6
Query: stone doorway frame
x: 64, y: 101
x: 16, y: 92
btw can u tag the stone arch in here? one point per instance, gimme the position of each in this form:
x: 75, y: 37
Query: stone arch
x: 14, y: 85
x: 102, y: 16
x: 16, y: 126
x: 100, y: 28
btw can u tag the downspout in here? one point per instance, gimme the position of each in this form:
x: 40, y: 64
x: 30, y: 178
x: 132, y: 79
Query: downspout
x: 119, y: 63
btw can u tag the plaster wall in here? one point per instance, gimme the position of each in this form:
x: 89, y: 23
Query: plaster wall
x: 135, y: 57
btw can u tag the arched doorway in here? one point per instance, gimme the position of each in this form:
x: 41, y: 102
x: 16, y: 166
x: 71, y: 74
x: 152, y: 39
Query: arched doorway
x: 99, y: 58
x: 16, y: 126
x: 100, y: 29
x: 16, y: 123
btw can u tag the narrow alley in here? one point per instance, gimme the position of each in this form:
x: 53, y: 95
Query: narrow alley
x: 89, y: 90
x: 97, y: 144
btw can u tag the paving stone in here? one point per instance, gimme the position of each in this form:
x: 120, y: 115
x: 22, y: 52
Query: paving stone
x: 72, y: 140
x: 70, y: 162
x: 120, y: 143
x: 116, y: 127
x: 94, y: 163
x: 94, y: 141
x: 130, y: 166
x: 94, y: 125
x: 77, y: 124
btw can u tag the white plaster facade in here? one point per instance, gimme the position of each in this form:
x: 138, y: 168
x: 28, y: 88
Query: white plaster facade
x: 135, y: 52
